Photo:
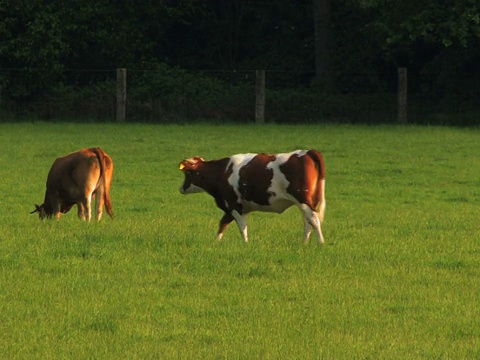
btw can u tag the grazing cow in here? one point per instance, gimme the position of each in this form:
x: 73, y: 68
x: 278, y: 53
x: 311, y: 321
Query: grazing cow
x: 244, y: 183
x: 76, y: 179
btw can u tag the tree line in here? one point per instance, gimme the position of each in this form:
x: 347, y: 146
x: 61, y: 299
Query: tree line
x: 325, y: 46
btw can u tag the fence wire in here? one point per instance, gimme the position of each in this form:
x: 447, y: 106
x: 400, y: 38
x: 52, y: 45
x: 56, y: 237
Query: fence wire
x: 169, y: 95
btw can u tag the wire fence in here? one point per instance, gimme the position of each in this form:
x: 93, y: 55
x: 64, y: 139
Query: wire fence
x: 169, y: 95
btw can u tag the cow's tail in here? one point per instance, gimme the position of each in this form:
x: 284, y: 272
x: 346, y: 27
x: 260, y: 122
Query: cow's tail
x: 317, y: 158
x: 106, y: 177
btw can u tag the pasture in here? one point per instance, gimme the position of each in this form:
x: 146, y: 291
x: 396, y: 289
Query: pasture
x: 398, y: 277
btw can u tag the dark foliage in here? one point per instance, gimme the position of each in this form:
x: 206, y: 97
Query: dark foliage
x: 196, y: 59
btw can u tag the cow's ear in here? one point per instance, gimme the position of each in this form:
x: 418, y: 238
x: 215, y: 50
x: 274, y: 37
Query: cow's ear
x: 184, y: 165
x: 37, y: 209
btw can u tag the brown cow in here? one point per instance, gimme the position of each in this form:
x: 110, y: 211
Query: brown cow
x: 76, y: 179
x: 244, y: 183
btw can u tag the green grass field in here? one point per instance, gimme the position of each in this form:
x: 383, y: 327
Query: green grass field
x: 398, y: 277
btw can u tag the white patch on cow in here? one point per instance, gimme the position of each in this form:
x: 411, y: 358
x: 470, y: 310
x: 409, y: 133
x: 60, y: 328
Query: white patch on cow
x: 280, y: 200
x: 281, y: 158
x: 191, y: 189
x: 237, y: 162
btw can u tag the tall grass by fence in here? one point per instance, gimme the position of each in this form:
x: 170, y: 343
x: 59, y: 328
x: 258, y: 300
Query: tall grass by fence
x: 165, y: 95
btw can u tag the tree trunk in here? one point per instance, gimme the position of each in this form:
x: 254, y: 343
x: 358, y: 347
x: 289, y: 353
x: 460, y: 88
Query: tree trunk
x: 322, y: 30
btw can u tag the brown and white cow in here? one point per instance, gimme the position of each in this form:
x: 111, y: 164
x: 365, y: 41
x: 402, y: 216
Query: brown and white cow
x: 244, y: 183
x: 77, y: 178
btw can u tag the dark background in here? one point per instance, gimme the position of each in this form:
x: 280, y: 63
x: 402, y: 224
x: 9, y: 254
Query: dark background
x: 194, y: 60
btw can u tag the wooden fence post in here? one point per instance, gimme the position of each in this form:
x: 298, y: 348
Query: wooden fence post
x: 402, y: 95
x: 259, y: 96
x: 121, y: 94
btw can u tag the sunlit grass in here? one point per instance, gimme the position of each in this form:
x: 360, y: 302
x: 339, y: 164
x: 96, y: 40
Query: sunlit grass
x: 397, y: 277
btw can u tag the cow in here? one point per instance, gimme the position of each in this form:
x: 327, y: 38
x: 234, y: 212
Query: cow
x: 77, y: 178
x: 244, y: 183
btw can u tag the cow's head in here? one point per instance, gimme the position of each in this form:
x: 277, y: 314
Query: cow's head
x: 190, y: 168
x: 46, y: 212
x: 42, y: 214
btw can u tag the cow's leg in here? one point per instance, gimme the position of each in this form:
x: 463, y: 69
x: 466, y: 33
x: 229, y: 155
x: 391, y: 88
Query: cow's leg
x: 322, y: 204
x: 84, y: 210
x: 307, y: 230
x: 311, y: 218
x: 87, y: 203
x: 224, y: 222
x: 99, y: 204
x: 81, y: 211
x: 56, y: 210
x: 89, y: 209
x: 242, y: 224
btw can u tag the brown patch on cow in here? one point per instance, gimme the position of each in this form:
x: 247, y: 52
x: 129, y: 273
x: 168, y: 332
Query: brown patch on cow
x: 319, y: 171
x: 213, y: 176
x: 317, y: 158
x: 304, y: 174
x: 255, y: 179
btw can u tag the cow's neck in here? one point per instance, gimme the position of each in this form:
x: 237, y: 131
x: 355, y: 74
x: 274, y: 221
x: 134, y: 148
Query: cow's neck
x: 214, y: 175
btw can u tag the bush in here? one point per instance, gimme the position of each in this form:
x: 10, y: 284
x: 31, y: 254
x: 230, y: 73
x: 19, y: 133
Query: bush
x: 165, y: 94
x: 308, y: 105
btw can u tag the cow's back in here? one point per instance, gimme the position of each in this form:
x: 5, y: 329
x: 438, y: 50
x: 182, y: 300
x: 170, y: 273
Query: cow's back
x: 72, y: 174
